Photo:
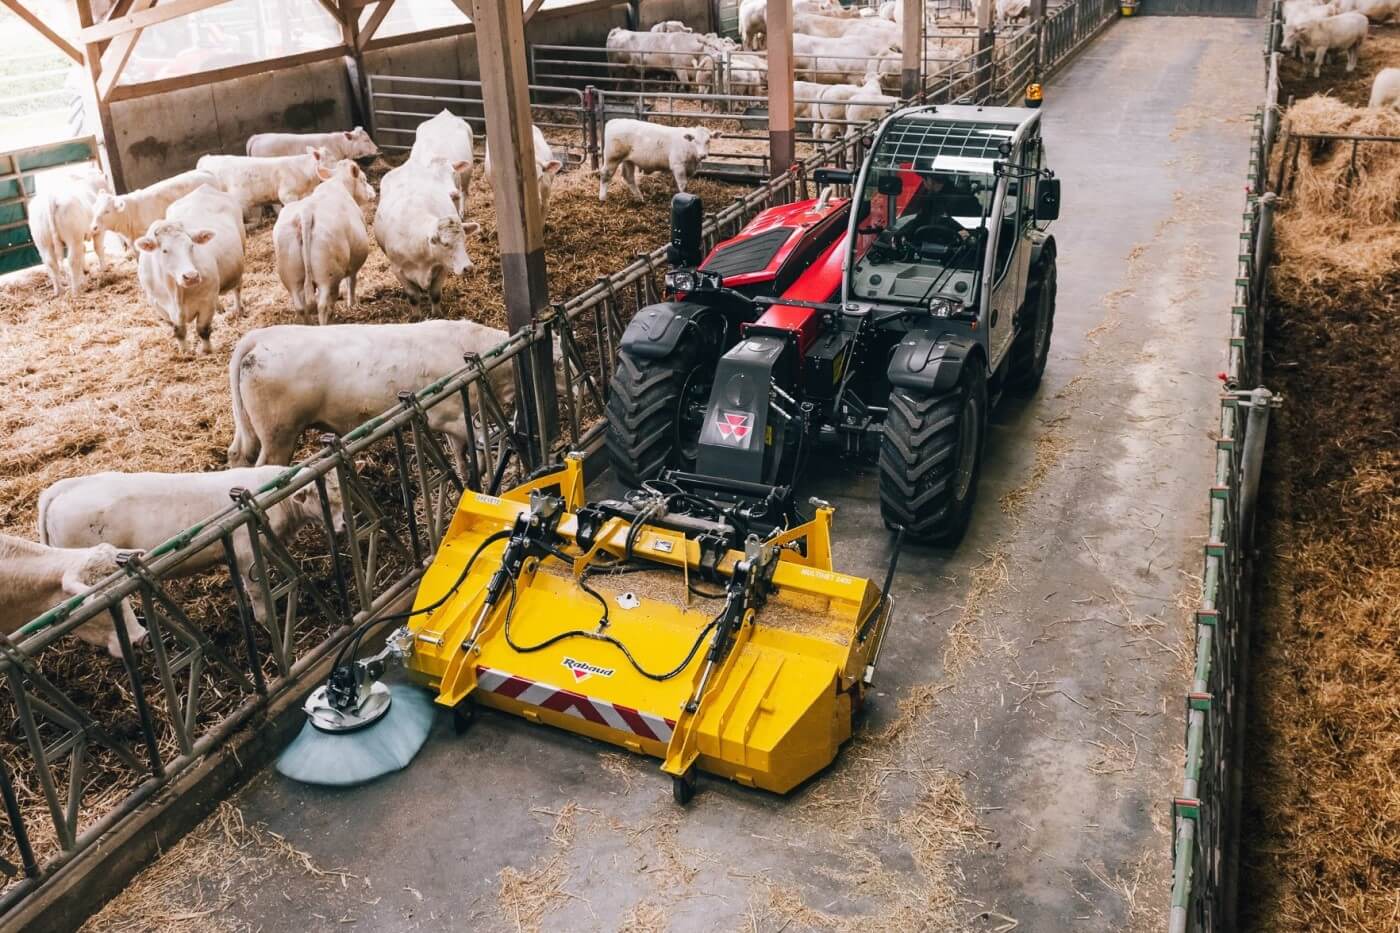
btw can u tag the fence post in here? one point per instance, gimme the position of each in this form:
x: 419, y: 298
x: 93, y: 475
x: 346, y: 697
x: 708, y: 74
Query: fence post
x: 781, y: 123
x: 1252, y: 461
x: 1263, y: 246
x: 986, y: 44
x: 911, y: 79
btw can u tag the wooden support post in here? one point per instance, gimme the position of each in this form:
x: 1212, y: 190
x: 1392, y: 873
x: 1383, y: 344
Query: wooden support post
x: 106, y: 134
x: 911, y: 80
x: 500, y: 44
x: 348, y: 17
x: 986, y: 43
x: 43, y: 28
x: 782, y: 125
x: 1037, y: 15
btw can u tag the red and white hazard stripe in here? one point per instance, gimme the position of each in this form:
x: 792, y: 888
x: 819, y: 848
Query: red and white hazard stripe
x: 547, y: 696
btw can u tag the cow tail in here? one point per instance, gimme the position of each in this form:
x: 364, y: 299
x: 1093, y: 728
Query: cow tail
x: 44, y: 499
x: 242, y: 430
x: 308, y: 281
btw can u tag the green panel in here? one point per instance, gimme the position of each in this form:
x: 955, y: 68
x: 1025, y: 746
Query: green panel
x: 7, y: 165
x: 57, y: 154
x: 15, y: 236
x: 14, y: 260
x: 11, y: 213
x: 9, y: 188
x: 28, y: 184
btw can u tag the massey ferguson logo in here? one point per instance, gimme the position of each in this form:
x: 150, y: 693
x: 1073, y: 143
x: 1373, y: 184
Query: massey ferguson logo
x: 734, y: 426
x: 583, y: 670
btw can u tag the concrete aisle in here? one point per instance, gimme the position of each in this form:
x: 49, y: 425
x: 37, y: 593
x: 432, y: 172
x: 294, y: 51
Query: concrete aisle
x: 1019, y: 759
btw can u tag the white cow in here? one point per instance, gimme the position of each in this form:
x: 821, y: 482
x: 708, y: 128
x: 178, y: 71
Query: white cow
x: 35, y: 578
x: 256, y: 181
x: 843, y: 61
x: 344, y: 144
x: 60, y: 221
x: 420, y: 230
x: 1385, y: 90
x: 671, y: 25
x: 1011, y: 11
x: 688, y: 56
x: 649, y: 147
x: 753, y: 24
x: 1342, y: 33
x: 288, y: 378
x: 1378, y: 11
x: 449, y: 138
x: 806, y: 95
x: 868, y: 104
x: 130, y: 215
x: 546, y: 167
x: 748, y: 75
x: 187, y: 260
x: 835, y: 27
x: 143, y: 510
x: 321, y: 241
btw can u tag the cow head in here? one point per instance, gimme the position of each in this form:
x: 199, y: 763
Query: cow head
x: 100, y: 631
x: 356, y: 144
x: 305, y: 503
x: 350, y: 177
x: 168, y: 244
x: 1290, y: 36
x: 699, y: 137
x: 105, y: 210
x: 448, y: 243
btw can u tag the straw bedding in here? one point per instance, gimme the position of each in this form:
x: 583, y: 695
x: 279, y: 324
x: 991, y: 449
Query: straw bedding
x: 1322, y: 823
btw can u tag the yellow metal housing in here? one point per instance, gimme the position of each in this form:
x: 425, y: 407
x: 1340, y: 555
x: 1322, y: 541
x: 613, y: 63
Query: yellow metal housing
x: 773, y: 713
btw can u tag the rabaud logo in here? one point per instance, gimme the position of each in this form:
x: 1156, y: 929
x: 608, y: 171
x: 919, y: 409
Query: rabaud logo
x: 582, y: 670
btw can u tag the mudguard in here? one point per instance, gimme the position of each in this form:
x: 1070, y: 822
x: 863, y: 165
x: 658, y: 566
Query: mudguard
x: 1044, y: 249
x: 656, y: 329
x: 930, y: 361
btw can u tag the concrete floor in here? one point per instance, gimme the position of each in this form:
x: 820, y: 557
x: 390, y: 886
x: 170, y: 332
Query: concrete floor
x: 1042, y: 665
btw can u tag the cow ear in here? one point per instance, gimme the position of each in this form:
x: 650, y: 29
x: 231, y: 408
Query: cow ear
x: 202, y: 236
x: 146, y: 244
x: 461, y: 166
x: 323, y: 173
x: 553, y: 166
x: 354, y: 170
x: 470, y: 227
x: 349, y: 134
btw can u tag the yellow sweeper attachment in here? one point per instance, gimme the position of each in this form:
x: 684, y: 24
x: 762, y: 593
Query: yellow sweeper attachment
x: 634, y: 626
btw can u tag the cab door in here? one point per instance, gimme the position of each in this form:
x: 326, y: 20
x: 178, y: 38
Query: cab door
x: 1008, y: 272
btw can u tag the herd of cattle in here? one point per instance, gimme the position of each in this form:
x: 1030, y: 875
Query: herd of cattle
x: 188, y: 236
x: 1313, y: 30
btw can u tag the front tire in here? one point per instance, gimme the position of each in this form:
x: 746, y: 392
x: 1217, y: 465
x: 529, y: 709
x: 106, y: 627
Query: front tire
x: 655, y: 410
x: 931, y: 457
x: 1030, y: 351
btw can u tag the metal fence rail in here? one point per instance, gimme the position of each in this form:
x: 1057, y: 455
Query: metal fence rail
x: 230, y: 639
x: 1206, y: 814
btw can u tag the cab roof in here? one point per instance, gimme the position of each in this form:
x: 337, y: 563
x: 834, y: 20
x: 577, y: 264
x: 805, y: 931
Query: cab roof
x: 950, y: 137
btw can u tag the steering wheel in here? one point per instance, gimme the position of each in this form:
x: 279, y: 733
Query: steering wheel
x: 941, y: 231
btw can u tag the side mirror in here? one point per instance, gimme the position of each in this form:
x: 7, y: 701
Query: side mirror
x: 889, y: 184
x: 687, y: 218
x: 1047, y: 199
x: 833, y: 176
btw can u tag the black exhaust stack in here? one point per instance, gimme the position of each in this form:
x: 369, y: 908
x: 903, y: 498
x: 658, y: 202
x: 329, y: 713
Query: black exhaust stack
x: 687, y: 215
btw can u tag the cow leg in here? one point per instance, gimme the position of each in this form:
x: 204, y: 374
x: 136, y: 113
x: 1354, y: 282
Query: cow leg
x: 604, y: 176
x: 350, y: 292
x: 680, y: 174
x: 98, y: 242
x: 629, y: 177
x: 204, y: 326
x: 75, y: 268
x: 1317, y: 62
x: 180, y: 338
x: 1351, y: 58
x: 238, y: 299
x: 325, y: 303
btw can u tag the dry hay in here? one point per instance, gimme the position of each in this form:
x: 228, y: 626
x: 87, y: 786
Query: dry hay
x: 190, y: 886
x: 1322, y: 843
x: 1380, y: 50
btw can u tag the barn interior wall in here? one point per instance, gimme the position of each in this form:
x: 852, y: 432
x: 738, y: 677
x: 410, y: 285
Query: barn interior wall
x: 166, y: 133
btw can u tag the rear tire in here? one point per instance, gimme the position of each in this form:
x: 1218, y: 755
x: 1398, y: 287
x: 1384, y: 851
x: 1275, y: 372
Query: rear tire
x: 651, y: 411
x: 1031, y: 349
x: 931, y: 457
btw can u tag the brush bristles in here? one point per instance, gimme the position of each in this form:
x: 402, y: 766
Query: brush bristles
x: 347, y: 758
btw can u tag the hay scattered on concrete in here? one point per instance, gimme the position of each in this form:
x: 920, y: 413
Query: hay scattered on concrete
x: 189, y: 887
x: 644, y: 917
x: 525, y: 898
